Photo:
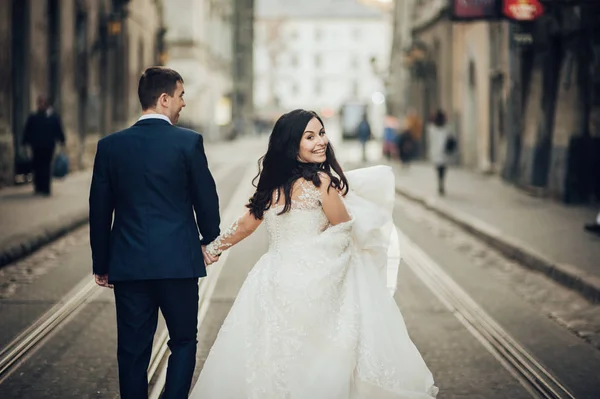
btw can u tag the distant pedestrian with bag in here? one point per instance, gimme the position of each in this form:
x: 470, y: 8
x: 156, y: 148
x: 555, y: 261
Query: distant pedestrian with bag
x: 43, y: 130
x: 364, y: 135
x: 442, y: 144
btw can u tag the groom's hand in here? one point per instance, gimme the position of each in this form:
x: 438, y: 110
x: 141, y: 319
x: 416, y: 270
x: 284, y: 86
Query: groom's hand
x: 102, y: 280
x: 208, y: 259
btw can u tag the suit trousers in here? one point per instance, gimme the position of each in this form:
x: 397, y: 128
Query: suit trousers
x: 138, y: 303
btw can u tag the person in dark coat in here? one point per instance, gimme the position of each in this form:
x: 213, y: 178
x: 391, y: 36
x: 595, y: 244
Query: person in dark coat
x: 43, y: 130
x: 364, y: 134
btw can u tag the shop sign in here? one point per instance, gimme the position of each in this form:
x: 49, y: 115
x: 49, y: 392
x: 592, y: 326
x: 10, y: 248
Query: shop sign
x: 523, y: 10
x: 472, y: 10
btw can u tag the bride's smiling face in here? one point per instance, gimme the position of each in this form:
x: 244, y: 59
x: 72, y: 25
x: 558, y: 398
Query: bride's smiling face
x: 313, y: 145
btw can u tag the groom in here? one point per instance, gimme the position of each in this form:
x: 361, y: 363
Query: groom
x: 148, y: 180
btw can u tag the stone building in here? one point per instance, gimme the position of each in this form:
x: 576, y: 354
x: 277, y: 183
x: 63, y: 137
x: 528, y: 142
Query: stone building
x: 480, y: 66
x: 321, y: 56
x: 554, y: 139
x: 430, y: 56
x: 399, y: 74
x: 200, y: 47
x: 86, y: 55
x: 243, y: 112
x: 524, y: 98
x: 461, y: 68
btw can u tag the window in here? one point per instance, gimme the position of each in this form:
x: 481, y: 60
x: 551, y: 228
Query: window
x: 318, y: 60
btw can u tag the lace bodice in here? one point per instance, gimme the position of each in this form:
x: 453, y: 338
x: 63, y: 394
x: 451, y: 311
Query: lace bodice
x: 304, y: 221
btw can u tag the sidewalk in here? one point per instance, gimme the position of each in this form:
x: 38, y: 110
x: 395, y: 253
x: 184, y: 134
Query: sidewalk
x: 28, y: 221
x: 539, y: 233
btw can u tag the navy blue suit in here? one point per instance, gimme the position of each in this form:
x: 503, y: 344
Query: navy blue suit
x: 148, y: 180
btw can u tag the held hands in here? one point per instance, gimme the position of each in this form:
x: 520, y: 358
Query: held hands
x: 208, y: 259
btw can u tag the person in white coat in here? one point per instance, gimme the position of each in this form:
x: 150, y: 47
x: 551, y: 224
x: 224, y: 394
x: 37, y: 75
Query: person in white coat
x: 441, y: 146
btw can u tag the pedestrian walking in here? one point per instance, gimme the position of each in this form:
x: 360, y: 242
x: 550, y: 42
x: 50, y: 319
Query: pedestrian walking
x: 409, y: 138
x: 406, y: 147
x: 43, y: 130
x: 364, y: 134
x: 441, y: 145
x: 414, y: 124
x: 390, y: 134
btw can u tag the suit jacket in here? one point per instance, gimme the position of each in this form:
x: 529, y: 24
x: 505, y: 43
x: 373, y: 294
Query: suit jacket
x: 148, y: 180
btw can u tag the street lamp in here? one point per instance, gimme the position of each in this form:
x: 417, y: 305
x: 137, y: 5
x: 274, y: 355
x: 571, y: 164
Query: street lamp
x: 114, y: 25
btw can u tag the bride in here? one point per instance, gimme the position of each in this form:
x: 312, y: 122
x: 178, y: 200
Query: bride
x: 314, y: 319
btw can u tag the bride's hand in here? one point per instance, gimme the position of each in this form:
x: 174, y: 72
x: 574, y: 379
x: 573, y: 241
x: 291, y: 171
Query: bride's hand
x: 208, y: 259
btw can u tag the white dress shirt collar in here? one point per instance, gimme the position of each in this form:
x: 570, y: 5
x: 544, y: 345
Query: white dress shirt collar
x: 155, y: 116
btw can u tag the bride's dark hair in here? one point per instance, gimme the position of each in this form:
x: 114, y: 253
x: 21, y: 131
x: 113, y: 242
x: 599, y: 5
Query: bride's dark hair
x: 280, y: 168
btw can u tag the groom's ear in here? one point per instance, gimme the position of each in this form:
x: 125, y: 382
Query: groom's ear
x: 163, y: 100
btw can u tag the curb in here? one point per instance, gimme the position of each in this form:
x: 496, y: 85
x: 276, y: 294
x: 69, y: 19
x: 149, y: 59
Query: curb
x: 567, y: 275
x: 18, y: 247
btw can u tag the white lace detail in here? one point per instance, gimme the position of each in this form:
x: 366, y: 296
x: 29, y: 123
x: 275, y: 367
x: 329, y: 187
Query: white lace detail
x: 219, y: 245
x: 309, y: 197
x: 293, y: 227
x: 312, y: 320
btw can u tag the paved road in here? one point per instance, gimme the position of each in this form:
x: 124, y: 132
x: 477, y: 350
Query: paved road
x: 79, y: 360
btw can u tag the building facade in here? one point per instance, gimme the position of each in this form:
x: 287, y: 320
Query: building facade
x: 430, y: 61
x: 461, y: 68
x: 79, y: 53
x: 319, y: 56
x: 554, y: 141
x: 200, y: 47
x: 399, y: 72
x: 480, y: 67
x: 243, y: 67
x: 524, y: 98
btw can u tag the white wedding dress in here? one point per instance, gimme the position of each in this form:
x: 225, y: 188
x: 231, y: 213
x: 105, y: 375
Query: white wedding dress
x: 314, y: 319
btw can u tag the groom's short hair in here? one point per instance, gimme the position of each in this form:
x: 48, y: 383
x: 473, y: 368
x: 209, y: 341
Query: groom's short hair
x: 155, y: 81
